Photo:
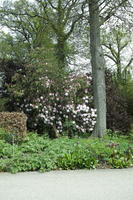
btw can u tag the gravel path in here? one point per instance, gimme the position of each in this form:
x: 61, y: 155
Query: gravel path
x: 101, y: 184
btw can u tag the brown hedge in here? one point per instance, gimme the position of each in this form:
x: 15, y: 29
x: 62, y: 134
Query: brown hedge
x: 14, y: 122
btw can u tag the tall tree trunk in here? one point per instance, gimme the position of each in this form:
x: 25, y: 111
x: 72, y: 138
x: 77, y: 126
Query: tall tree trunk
x: 98, y: 69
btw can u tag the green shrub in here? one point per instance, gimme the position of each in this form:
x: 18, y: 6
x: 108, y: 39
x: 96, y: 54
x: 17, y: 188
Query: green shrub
x: 77, y: 160
x: 37, y: 153
x: 127, y: 92
x: 121, y: 159
x: 9, y: 137
x: 118, y: 119
x: 3, y: 102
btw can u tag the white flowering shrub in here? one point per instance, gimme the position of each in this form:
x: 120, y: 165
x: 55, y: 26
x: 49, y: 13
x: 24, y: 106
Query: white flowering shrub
x: 55, y: 102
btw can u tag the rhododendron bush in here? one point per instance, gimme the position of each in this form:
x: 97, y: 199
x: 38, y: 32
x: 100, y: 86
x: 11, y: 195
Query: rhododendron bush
x: 57, y: 102
x: 54, y: 101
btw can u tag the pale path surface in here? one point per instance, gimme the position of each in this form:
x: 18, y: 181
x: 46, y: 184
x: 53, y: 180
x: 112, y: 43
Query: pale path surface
x: 103, y: 184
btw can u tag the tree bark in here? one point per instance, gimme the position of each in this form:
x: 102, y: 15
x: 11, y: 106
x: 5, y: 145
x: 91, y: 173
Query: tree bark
x: 61, y: 53
x: 98, y: 69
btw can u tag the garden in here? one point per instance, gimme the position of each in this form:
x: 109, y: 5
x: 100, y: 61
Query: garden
x: 39, y: 153
x: 60, y: 122
x: 55, y: 112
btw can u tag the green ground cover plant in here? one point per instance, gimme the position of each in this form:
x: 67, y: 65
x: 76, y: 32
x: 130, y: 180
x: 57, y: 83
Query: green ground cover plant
x: 39, y: 153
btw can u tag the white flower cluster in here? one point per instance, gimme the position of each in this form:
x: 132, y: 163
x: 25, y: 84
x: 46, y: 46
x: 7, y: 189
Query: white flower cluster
x: 54, y: 107
x: 82, y: 116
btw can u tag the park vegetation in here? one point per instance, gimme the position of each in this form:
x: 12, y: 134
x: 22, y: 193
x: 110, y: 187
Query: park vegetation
x: 62, y: 99
x: 39, y: 153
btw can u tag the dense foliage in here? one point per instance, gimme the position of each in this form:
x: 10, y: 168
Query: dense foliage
x: 127, y: 91
x: 43, y: 154
x: 9, y: 68
x: 59, y: 102
x: 54, y: 101
x: 118, y: 118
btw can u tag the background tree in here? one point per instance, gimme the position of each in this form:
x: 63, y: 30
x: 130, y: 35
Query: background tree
x: 19, y: 17
x: 62, y: 15
x: 57, y: 18
x: 13, y: 47
x: 118, y: 49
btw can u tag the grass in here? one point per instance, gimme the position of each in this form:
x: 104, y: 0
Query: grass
x: 37, y: 153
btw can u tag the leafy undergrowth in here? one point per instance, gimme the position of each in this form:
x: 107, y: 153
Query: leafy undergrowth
x: 43, y: 154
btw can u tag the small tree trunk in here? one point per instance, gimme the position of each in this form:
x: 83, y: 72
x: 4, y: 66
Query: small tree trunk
x: 98, y: 69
